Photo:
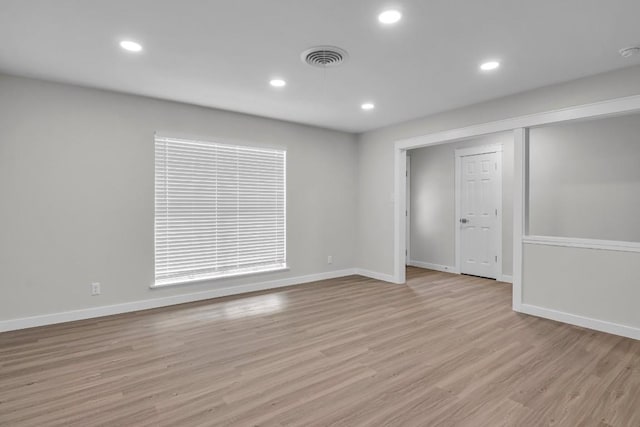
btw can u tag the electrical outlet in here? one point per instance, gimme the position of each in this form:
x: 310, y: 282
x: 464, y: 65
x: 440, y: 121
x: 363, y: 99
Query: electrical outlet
x: 330, y: 259
x: 95, y: 289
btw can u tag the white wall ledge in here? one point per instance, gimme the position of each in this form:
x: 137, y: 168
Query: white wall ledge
x: 572, y: 242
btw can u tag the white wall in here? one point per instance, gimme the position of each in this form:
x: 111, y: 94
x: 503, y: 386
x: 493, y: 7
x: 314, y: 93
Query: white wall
x: 585, y: 179
x: 376, y: 155
x: 76, y: 181
x: 433, y: 221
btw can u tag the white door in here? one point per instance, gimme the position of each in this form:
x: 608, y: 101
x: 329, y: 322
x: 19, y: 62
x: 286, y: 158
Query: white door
x: 478, y: 222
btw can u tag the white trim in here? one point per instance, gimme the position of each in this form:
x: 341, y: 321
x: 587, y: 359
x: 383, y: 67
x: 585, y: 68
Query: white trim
x: 399, y: 218
x: 520, y: 208
x: 213, y: 278
x: 474, y: 151
x: 407, y: 256
x: 457, y: 182
x: 573, y: 242
x: 506, y: 278
x: 585, y: 322
x: 430, y: 266
x: 90, y: 313
x: 376, y: 275
x: 597, y: 109
x: 500, y: 218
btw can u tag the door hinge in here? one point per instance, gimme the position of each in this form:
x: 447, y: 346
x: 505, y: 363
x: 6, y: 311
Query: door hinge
x: 406, y: 213
x: 496, y: 258
x: 496, y: 211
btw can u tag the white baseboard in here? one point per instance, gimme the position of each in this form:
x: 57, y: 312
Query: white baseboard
x: 451, y: 269
x: 430, y: 266
x: 585, y: 322
x: 375, y: 275
x: 89, y: 313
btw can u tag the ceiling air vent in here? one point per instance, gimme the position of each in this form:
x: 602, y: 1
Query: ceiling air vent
x: 324, y: 56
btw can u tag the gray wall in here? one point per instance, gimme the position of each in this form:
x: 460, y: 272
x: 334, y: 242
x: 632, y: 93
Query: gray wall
x: 585, y: 179
x: 76, y: 179
x: 593, y: 284
x: 584, y: 183
x: 375, y: 150
x: 432, y: 204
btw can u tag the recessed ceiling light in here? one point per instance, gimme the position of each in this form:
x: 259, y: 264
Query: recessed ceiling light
x: 131, y: 46
x: 367, y: 106
x: 390, y: 16
x: 277, y: 83
x: 491, y: 65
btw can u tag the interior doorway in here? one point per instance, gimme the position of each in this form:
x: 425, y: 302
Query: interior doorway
x: 434, y: 237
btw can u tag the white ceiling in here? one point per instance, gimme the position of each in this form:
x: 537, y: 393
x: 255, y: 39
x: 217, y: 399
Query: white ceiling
x: 223, y: 53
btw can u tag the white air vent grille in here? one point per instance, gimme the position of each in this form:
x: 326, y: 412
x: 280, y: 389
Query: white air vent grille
x: 324, y: 56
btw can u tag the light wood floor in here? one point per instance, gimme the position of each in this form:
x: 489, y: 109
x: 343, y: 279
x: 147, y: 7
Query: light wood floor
x: 443, y: 350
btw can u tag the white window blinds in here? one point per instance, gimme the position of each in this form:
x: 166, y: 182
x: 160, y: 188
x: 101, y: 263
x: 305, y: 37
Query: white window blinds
x: 220, y: 210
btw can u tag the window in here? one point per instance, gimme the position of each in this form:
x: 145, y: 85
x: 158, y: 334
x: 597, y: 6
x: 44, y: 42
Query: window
x: 220, y: 210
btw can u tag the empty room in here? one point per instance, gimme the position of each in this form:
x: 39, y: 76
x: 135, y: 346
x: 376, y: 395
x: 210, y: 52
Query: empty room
x: 314, y: 213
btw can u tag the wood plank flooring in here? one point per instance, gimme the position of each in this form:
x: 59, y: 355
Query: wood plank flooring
x: 444, y: 350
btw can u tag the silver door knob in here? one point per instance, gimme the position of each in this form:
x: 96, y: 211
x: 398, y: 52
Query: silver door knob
x: 464, y: 220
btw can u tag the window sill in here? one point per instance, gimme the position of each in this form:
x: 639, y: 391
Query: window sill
x: 182, y: 281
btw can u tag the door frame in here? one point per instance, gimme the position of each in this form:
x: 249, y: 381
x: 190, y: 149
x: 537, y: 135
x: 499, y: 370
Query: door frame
x: 473, y: 151
x: 408, y: 212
